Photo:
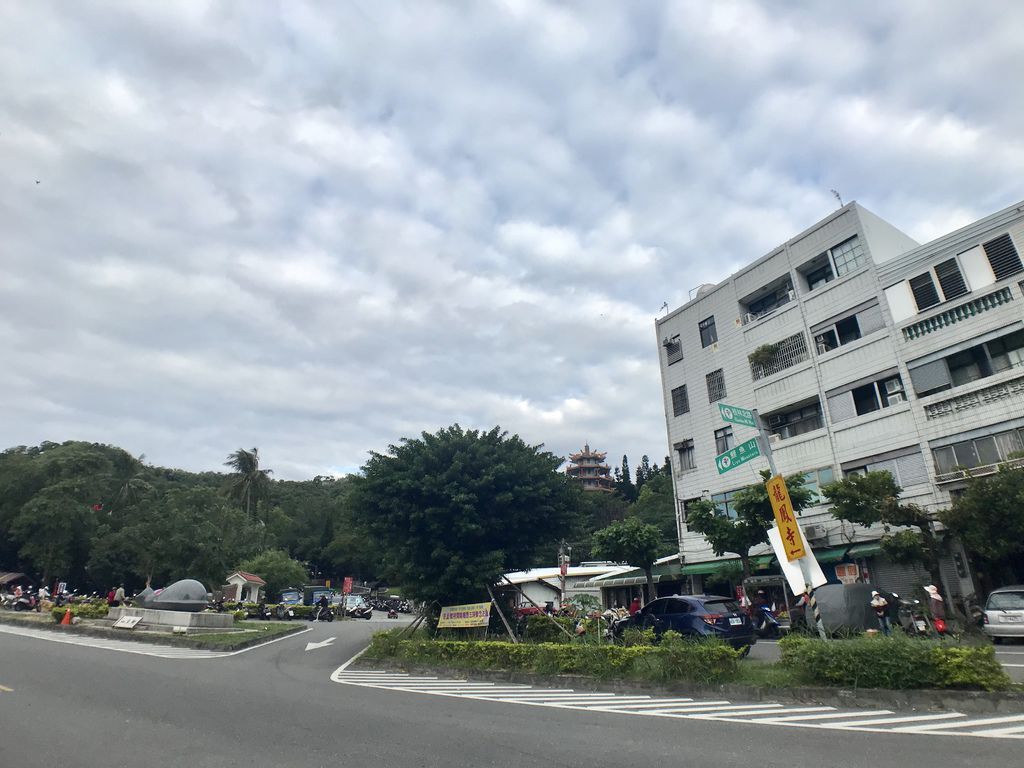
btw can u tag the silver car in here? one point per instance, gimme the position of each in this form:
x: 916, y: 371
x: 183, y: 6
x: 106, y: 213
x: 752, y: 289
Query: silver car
x: 1004, y: 613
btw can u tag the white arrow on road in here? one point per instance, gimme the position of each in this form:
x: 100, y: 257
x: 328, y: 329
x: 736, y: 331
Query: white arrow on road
x: 321, y: 644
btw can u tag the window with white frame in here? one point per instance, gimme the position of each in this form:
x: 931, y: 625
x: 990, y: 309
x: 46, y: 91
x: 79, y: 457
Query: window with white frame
x: 795, y: 420
x: 815, y: 480
x: 878, y: 394
x: 684, y: 450
x: 979, y: 451
x: 837, y: 261
x: 723, y: 440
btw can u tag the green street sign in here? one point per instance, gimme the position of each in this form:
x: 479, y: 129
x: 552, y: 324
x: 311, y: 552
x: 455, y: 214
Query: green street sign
x: 735, y: 415
x: 741, y: 454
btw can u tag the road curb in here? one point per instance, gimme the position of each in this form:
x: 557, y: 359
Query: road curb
x: 170, y: 640
x: 967, y: 702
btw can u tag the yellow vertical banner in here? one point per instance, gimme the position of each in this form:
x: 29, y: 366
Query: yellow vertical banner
x: 792, y: 541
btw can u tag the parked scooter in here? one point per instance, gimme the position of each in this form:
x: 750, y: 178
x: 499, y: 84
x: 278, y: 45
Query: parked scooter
x: 360, y: 612
x: 913, y: 619
x: 285, y: 612
x: 766, y: 623
x: 27, y: 602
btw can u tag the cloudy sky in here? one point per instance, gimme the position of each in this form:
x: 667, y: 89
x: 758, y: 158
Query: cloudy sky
x: 318, y: 228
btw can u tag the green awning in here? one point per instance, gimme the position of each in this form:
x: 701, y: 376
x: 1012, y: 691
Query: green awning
x: 661, y: 572
x: 865, y: 550
x: 717, y: 566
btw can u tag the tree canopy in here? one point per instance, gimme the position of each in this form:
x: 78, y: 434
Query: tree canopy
x: 989, y: 519
x: 631, y: 541
x: 277, y: 569
x: 753, y: 518
x: 873, y: 498
x: 454, y: 510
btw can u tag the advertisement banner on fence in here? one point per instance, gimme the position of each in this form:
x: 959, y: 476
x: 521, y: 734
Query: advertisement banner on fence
x: 472, y: 615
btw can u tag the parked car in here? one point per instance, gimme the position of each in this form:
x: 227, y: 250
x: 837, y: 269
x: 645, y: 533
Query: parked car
x: 1004, y: 613
x: 698, y: 616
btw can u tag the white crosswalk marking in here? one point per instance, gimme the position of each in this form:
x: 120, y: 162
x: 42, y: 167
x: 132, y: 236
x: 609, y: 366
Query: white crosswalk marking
x: 767, y: 713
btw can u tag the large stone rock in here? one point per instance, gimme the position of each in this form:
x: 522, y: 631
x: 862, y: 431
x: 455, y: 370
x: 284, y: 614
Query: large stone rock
x: 184, y: 595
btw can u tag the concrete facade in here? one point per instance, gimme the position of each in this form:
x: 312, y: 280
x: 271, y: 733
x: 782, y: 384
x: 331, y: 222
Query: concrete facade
x: 870, y: 351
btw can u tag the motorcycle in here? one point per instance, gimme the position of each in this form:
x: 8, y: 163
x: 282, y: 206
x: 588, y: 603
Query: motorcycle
x: 765, y: 622
x: 26, y: 603
x: 285, y: 613
x: 322, y: 613
x: 360, y: 612
x: 913, y: 618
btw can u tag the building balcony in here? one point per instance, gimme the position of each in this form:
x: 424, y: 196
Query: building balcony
x: 995, y: 393
x: 775, y: 358
x: 957, y: 314
x: 985, y: 469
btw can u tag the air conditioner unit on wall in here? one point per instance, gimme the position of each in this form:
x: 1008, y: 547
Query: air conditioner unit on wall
x: 815, y: 532
x: 892, y: 386
x: 898, y: 397
x: 774, y: 438
x: 776, y: 419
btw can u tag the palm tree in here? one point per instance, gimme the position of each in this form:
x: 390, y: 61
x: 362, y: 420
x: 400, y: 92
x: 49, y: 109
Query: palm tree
x: 249, y: 483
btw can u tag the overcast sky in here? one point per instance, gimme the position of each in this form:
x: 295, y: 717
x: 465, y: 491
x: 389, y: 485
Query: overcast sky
x: 318, y: 228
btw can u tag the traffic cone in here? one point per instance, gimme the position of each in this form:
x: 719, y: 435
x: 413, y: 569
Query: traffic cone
x: 66, y: 621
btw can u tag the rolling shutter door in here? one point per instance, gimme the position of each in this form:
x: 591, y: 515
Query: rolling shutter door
x: 930, y: 376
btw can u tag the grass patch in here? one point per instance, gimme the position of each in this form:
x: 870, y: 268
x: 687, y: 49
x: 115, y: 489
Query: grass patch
x: 763, y: 674
x: 250, y: 635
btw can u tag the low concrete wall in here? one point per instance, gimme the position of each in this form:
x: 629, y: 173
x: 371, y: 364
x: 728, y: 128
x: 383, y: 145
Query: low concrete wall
x: 151, y: 617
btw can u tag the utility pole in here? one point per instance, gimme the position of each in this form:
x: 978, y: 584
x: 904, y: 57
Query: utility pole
x: 562, y: 570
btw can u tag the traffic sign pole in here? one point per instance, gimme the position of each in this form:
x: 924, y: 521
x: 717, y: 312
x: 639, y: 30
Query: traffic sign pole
x: 766, y: 444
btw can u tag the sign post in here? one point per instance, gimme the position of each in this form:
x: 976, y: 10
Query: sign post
x: 782, y: 507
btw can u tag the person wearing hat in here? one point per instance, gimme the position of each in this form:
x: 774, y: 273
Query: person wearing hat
x: 881, y: 608
x: 937, y: 607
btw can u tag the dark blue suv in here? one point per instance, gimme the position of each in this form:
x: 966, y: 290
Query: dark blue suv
x: 699, y: 616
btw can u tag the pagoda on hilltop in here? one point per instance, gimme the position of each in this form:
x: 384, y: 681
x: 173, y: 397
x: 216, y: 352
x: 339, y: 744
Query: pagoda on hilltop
x: 589, y: 468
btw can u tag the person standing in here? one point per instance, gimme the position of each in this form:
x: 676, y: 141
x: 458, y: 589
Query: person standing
x: 937, y: 607
x: 119, y: 595
x: 881, y: 607
x: 634, y: 607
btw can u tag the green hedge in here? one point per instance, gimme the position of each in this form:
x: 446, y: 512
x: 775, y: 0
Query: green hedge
x: 81, y: 610
x: 674, y: 659
x: 893, y: 662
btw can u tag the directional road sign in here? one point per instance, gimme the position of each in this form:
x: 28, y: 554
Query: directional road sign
x: 736, y: 415
x: 741, y: 454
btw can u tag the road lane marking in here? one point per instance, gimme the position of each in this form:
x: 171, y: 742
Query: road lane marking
x: 321, y: 644
x: 5, y: 689
x: 909, y: 719
x: 719, y: 710
x: 966, y: 723
x: 830, y: 716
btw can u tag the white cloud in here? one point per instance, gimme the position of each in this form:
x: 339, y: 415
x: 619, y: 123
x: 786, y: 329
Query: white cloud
x: 318, y: 230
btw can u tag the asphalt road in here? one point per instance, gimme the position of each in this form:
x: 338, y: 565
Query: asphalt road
x: 81, y: 706
x: 1010, y: 655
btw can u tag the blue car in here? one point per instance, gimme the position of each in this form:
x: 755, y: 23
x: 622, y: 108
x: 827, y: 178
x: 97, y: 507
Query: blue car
x: 697, y: 617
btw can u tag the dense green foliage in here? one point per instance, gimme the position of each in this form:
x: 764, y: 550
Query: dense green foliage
x: 630, y: 541
x: 874, y: 499
x: 989, y: 520
x: 673, y: 659
x: 277, y: 569
x: 94, y: 516
x: 460, y: 507
x: 754, y: 517
x: 893, y: 662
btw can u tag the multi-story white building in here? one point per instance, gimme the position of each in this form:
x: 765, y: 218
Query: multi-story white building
x: 861, y: 350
